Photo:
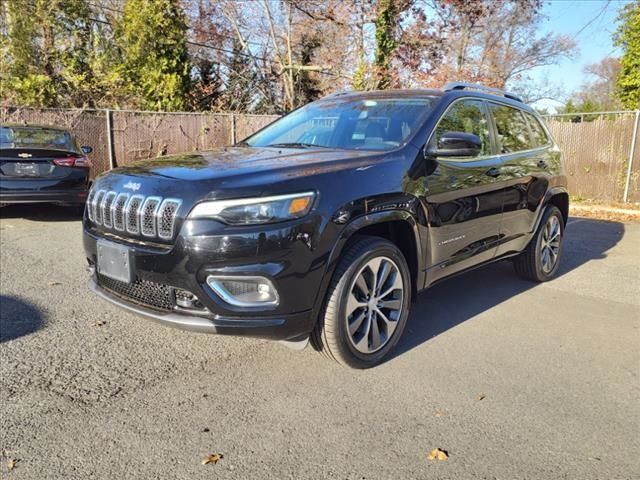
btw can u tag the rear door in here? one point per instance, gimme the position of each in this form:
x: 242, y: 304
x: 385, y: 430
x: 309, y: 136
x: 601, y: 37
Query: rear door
x: 464, y: 195
x: 524, y: 150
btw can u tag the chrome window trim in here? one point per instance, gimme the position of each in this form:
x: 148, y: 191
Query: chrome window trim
x: 497, y: 155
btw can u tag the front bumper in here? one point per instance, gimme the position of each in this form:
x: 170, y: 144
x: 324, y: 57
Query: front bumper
x: 287, y: 327
x: 281, y: 252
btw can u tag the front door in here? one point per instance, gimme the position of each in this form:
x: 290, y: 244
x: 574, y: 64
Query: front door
x: 464, y: 196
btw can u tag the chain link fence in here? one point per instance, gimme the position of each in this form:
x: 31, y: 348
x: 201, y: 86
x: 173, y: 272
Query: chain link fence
x: 601, y: 150
x: 602, y: 154
x: 121, y: 137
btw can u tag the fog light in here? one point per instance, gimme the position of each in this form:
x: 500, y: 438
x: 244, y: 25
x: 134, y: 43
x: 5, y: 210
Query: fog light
x: 242, y: 291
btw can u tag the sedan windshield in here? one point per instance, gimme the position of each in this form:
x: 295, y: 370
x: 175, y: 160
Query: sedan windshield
x: 36, y: 137
x: 352, y: 124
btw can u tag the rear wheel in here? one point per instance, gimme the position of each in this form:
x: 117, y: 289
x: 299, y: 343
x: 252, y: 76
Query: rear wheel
x: 367, y: 304
x: 541, y: 259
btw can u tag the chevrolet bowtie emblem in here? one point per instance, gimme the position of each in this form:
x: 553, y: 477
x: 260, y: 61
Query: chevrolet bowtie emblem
x: 25, y: 155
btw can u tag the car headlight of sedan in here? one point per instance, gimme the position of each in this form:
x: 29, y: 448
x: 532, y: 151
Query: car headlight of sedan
x: 256, y: 211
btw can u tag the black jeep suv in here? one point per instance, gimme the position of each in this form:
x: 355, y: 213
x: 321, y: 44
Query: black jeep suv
x: 326, y: 223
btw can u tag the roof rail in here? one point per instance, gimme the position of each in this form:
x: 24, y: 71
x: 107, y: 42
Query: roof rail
x: 476, y: 86
x: 340, y: 93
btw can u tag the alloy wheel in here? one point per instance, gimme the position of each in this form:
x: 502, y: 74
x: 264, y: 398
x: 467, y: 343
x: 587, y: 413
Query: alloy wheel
x: 374, y: 304
x: 550, y: 244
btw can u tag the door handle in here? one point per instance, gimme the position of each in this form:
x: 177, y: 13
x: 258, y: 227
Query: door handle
x: 542, y: 164
x: 493, y: 172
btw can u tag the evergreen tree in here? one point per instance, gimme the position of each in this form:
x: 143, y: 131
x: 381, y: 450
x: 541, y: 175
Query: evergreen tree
x: 240, y: 92
x: 155, y: 65
x: 628, y: 37
x: 386, y: 25
x: 46, y: 49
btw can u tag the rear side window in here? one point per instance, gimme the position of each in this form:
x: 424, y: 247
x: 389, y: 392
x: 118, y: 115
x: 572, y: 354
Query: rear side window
x: 512, y: 129
x: 466, y: 116
x: 540, y: 138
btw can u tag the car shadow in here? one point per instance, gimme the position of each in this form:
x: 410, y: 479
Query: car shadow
x: 439, y: 308
x: 18, y: 318
x: 43, y: 212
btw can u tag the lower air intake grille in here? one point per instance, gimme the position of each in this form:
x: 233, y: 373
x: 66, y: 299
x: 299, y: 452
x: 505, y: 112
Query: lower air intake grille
x: 142, y: 292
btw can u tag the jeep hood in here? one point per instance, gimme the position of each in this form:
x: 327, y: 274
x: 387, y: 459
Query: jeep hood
x: 241, y: 161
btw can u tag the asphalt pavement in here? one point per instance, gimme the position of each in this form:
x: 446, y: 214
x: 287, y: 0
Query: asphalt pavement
x: 512, y: 379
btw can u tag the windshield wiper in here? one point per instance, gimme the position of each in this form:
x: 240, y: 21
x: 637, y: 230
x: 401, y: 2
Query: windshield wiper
x: 297, y: 145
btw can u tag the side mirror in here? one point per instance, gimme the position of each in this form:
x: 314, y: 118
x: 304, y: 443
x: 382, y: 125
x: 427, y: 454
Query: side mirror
x: 455, y: 144
x: 86, y: 150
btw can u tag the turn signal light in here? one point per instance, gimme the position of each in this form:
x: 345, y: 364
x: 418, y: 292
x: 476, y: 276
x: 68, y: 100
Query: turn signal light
x: 299, y: 205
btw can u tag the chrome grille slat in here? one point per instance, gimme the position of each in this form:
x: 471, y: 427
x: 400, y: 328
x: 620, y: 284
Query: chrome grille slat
x: 117, y: 211
x: 105, y: 208
x: 148, y: 216
x: 152, y: 217
x: 131, y: 215
x: 90, y: 210
x: 167, y: 217
x: 97, y: 209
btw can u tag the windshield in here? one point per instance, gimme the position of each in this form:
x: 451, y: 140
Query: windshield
x: 353, y: 124
x: 36, y: 137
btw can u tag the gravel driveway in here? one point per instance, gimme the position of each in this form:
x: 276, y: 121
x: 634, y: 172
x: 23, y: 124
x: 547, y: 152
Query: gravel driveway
x: 513, y: 380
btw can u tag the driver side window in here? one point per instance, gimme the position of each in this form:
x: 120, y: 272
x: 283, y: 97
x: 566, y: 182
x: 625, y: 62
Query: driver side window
x: 466, y: 116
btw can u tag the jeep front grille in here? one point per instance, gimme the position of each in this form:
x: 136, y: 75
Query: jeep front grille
x: 152, y: 217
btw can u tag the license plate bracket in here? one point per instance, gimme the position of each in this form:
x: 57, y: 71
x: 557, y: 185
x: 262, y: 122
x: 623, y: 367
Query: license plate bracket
x: 114, y: 261
x: 27, y: 169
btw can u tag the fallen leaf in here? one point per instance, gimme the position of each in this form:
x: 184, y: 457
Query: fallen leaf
x: 480, y: 397
x: 214, y: 458
x: 439, y: 413
x: 11, y: 463
x: 53, y: 284
x: 437, y: 454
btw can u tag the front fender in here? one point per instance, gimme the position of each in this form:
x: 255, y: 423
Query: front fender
x: 357, y: 225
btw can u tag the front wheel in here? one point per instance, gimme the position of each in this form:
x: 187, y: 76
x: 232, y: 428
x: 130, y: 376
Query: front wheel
x: 541, y: 259
x: 367, y: 304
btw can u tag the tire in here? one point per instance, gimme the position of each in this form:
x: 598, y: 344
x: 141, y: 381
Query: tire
x: 531, y: 263
x: 386, y: 312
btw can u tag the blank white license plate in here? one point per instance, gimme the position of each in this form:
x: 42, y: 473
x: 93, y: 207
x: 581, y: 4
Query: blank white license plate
x: 27, y: 169
x: 114, y: 261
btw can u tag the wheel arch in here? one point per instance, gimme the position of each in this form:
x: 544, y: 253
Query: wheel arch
x: 560, y: 198
x: 397, y: 226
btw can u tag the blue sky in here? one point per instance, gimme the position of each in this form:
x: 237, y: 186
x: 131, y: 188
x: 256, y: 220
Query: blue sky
x: 569, y: 17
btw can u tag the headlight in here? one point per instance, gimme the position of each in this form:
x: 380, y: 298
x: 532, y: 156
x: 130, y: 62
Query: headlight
x: 254, y: 211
